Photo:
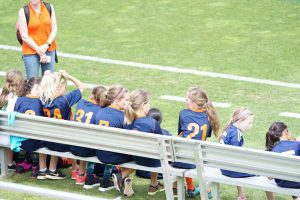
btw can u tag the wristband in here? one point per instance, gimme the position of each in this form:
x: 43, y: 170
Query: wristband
x: 48, y: 44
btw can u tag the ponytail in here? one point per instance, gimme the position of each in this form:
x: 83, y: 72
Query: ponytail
x: 99, y: 94
x: 273, y: 135
x: 28, y: 85
x: 4, y: 93
x: 213, y: 118
x: 129, y: 113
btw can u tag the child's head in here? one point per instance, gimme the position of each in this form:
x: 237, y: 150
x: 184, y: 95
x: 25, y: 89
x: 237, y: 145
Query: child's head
x: 156, y: 114
x: 99, y: 96
x: 13, y: 82
x: 52, y: 86
x: 116, y: 95
x: 197, y: 99
x: 138, y: 103
x: 277, y: 131
x: 31, y: 86
x: 242, y: 118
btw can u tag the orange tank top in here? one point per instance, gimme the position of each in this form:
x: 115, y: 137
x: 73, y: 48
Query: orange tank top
x: 39, y: 29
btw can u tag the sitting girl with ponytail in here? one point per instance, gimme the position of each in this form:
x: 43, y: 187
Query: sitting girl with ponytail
x: 30, y: 104
x: 196, y: 122
x: 279, y: 139
x: 241, y: 120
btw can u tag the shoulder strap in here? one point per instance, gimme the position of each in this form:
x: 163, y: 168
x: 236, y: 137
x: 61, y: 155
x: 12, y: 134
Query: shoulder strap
x: 48, y: 6
x: 26, y: 11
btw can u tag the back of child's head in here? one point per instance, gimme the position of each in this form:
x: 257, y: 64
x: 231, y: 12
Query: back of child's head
x: 50, y: 87
x: 200, y: 98
x: 29, y: 85
x: 136, y: 100
x: 238, y: 116
x: 115, y: 93
x: 156, y: 114
x: 99, y: 95
x: 13, y: 81
x: 274, y: 133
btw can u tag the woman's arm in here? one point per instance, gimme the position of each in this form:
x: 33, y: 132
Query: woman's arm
x: 24, y: 32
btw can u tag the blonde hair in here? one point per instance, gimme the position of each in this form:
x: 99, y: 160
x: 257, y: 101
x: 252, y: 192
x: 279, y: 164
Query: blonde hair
x: 99, y: 95
x: 116, y: 92
x: 50, y: 84
x: 13, y: 83
x: 200, y: 98
x: 238, y: 115
x: 136, y: 100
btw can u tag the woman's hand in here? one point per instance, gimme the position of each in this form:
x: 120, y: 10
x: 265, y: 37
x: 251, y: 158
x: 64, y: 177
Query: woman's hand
x: 43, y: 58
x: 43, y: 48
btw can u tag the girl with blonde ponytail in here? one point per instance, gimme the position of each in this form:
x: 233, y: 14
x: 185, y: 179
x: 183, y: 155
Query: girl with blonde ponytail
x: 136, y: 110
x: 197, y: 122
x: 241, y: 121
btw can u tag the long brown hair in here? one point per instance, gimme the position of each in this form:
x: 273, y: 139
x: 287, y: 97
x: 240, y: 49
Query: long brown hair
x: 274, y: 133
x: 200, y: 98
x: 99, y: 94
x: 136, y: 100
x: 28, y: 85
x: 13, y: 81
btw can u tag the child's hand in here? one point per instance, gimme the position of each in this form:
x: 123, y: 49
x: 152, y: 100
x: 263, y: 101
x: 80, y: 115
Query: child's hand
x: 64, y: 74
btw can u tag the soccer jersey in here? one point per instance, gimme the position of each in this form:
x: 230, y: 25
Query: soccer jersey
x: 233, y: 136
x: 110, y: 116
x: 30, y: 105
x: 60, y: 108
x: 86, y: 111
x: 288, y: 148
x: 194, y: 124
x: 148, y: 125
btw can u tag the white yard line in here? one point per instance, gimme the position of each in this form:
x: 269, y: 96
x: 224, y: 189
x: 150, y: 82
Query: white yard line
x: 291, y: 115
x: 181, y: 99
x: 168, y: 69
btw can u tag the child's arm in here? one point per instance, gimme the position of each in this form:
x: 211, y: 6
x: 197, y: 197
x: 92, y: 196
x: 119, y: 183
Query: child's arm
x: 77, y: 82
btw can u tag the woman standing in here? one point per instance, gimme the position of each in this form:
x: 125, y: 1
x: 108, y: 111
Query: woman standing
x: 38, y: 34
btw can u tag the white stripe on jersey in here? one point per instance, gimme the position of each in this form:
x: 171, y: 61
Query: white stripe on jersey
x: 291, y: 152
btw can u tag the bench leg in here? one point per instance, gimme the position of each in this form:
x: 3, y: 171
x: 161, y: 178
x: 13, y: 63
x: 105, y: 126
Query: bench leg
x: 3, y: 162
x: 180, y: 188
x: 216, y: 191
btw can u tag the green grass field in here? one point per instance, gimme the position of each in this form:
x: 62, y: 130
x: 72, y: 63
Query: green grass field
x: 258, y: 39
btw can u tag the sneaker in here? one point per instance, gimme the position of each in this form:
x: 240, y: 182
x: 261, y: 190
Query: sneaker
x: 57, y: 174
x: 74, y: 174
x: 23, y: 167
x: 91, y: 183
x: 41, y: 175
x: 80, y: 179
x: 117, y: 179
x: 128, y: 190
x: 34, y: 171
x: 152, y: 190
x: 193, y: 193
x: 12, y: 166
x: 106, y: 185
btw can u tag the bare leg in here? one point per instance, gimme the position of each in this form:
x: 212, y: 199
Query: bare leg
x: 240, y: 192
x: 53, y: 163
x: 10, y: 156
x: 269, y: 195
x: 153, y: 178
x: 42, y: 161
x: 74, y: 165
x: 82, y: 167
x: 126, y: 172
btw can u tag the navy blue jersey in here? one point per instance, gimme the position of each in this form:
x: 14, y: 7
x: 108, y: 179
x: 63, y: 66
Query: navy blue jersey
x: 29, y: 105
x: 233, y: 136
x: 194, y: 124
x: 145, y: 124
x: 86, y: 111
x: 288, y: 148
x: 60, y: 107
x: 149, y: 125
x: 110, y: 116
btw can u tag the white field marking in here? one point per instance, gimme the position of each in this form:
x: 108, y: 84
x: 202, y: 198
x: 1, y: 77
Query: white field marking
x: 169, y: 69
x: 288, y: 114
x: 181, y: 99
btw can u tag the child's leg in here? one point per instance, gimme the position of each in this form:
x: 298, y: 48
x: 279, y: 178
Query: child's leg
x: 90, y: 170
x: 126, y: 172
x: 74, y: 165
x: 107, y: 172
x: 241, y: 193
x: 42, y: 162
x: 82, y: 167
x: 269, y: 195
x: 10, y: 157
x: 53, y: 163
x: 154, y: 176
